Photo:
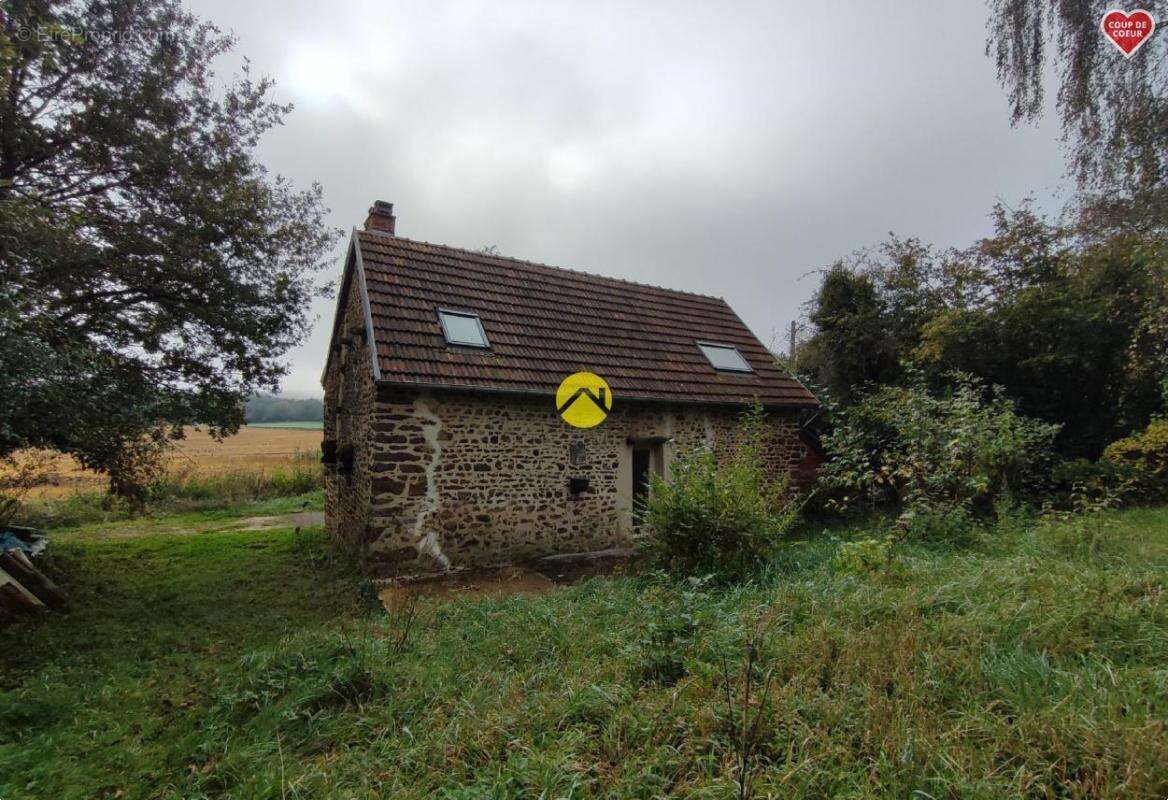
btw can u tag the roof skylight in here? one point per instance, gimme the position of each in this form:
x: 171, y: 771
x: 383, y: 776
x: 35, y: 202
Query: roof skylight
x: 724, y: 357
x: 462, y: 328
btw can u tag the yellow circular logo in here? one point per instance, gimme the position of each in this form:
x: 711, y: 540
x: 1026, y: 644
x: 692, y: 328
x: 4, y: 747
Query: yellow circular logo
x: 584, y: 400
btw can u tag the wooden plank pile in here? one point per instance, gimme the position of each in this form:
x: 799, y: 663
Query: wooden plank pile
x: 24, y: 589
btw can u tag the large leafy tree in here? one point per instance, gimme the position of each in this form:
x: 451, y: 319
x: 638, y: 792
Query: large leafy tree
x: 152, y: 273
x: 867, y: 315
x: 1114, y: 110
x: 1114, y: 113
x: 851, y: 346
x: 1058, y: 323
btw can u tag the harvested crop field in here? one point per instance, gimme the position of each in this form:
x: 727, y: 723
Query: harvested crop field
x: 252, y: 449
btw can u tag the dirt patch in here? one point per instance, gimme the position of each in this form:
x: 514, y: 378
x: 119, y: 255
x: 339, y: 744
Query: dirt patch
x: 479, y: 584
x: 303, y: 519
x: 574, y: 569
x: 515, y: 580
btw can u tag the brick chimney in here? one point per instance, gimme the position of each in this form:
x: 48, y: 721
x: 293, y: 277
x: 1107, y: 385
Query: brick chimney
x: 381, y: 217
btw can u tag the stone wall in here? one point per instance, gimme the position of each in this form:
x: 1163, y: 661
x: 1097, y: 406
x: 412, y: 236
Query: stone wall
x: 461, y: 479
x: 349, y: 400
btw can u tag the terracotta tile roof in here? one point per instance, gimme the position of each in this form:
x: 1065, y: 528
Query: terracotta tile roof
x: 544, y: 323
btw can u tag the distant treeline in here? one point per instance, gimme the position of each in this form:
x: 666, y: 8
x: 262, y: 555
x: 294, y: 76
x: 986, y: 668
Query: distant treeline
x: 268, y: 408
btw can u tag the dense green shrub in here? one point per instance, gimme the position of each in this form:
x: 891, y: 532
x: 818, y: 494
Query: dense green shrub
x: 721, y: 516
x: 1133, y: 469
x: 908, y: 448
x: 1144, y: 456
x: 864, y: 555
x: 1079, y: 482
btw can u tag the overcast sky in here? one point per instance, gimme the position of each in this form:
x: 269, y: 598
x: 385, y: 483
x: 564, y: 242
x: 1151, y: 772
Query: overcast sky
x: 720, y: 148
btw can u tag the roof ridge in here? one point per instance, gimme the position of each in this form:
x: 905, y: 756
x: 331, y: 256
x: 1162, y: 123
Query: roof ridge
x: 528, y: 263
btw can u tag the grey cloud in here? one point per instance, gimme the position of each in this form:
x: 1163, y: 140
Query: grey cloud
x: 719, y: 148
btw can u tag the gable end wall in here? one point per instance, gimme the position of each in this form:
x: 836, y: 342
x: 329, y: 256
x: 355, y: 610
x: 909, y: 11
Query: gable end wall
x: 349, y: 400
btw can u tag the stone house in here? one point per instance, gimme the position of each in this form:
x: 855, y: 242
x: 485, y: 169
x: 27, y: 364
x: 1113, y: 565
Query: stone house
x: 443, y: 442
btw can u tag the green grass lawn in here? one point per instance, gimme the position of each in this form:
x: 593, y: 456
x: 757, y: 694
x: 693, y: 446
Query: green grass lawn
x: 199, y: 660
x: 309, y: 424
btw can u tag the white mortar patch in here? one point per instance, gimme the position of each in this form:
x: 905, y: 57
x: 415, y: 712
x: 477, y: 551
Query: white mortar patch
x: 427, y: 541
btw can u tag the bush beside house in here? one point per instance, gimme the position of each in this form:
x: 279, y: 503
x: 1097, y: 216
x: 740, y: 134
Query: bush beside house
x: 1144, y: 459
x: 905, y: 447
x: 723, y: 516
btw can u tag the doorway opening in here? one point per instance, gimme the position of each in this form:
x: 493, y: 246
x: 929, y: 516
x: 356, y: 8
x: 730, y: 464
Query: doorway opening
x: 648, y: 459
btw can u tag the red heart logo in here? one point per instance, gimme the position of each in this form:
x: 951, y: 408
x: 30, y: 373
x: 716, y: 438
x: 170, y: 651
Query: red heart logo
x: 1128, y: 31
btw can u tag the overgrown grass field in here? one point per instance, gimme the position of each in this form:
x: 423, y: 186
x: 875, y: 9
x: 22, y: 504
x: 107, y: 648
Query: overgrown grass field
x: 201, y: 659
